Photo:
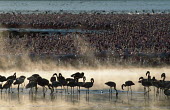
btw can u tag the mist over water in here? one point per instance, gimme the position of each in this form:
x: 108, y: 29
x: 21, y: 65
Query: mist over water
x: 99, y: 97
x: 96, y: 99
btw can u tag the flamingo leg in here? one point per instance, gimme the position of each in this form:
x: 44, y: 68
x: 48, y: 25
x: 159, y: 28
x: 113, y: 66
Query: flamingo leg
x: 144, y: 90
x: 67, y: 89
x: 18, y: 87
x: 131, y: 89
x: 157, y: 92
x: 73, y: 90
x: 128, y: 90
x: 22, y: 87
x: 79, y: 89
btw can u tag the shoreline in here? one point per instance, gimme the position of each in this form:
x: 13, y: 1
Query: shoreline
x: 87, y: 11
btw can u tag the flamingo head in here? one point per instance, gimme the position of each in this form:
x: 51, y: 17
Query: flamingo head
x: 147, y: 73
x: 163, y: 75
x: 60, y: 74
x: 84, y: 78
x: 92, y: 80
x: 123, y: 85
x: 55, y: 74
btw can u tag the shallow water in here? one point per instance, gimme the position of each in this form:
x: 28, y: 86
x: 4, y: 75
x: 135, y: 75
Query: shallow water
x: 98, y: 98
x: 62, y: 31
x: 15, y: 101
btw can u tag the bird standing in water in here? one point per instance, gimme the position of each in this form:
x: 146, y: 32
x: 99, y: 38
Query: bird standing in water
x: 112, y: 84
x: 19, y: 81
x: 9, y: 82
x: 128, y: 84
x: 88, y: 85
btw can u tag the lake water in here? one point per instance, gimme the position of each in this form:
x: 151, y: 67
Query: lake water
x: 83, y: 5
x: 73, y: 102
x: 98, y: 98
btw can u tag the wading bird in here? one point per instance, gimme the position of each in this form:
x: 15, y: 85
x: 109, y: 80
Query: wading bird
x: 78, y: 75
x: 145, y: 83
x: 88, y: 85
x: 128, y: 84
x: 80, y: 84
x: 8, y: 84
x: 43, y: 82
x: 33, y: 80
x: 112, y: 84
x: 54, y: 82
x: 2, y: 79
x: 72, y: 84
x: 19, y: 81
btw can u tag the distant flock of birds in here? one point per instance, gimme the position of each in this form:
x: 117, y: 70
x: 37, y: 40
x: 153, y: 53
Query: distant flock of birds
x: 58, y: 80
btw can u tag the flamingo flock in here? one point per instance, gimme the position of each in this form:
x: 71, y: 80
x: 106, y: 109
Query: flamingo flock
x: 58, y: 80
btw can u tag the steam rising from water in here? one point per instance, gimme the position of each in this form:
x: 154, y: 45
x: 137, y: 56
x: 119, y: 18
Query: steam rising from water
x: 23, y: 65
x: 102, y: 75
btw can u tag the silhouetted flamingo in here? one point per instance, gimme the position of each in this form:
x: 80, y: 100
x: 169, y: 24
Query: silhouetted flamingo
x: 31, y: 85
x: 163, y: 75
x: 51, y: 88
x: 80, y: 84
x: 12, y: 77
x: 167, y: 91
x: 53, y: 78
x: 2, y: 79
x: 72, y: 84
x: 88, y: 85
x: 19, y: 81
x: 148, y: 74
x: 129, y: 84
x: 145, y: 83
x: 43, y: 82
x: 78, y: 75
x: 9, y: 82
x: 112, y: 84
x: 33, y: 79
x: 62, y: 80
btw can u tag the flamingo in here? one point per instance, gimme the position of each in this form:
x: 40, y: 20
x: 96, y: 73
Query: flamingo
x: 148, y: 74
x: 43, y: 82
x: 129, y: 84
x: 88, y: 85
x: 2, y: 79
x: 112, y: 84
x: 62, y: 80
x: 167, y: 91
x: 145, y: 83
x: 31, y: 85
x: 12, y: 77
x: 9, y: 82
x: 51, y: 88
x: 33, y: 80
x: 19, y: 81
x: 72, y: 84
x: 54, y: 82
x: 78, y: 75
x: 80, y: 84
